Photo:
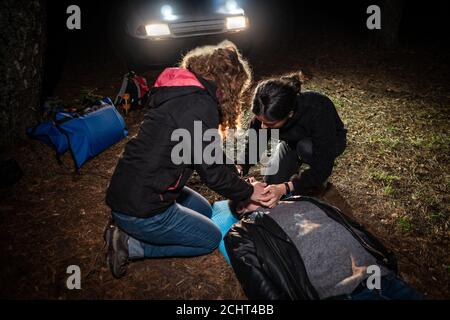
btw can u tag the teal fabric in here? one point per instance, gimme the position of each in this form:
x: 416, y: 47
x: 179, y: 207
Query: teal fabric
x: 224, y: 219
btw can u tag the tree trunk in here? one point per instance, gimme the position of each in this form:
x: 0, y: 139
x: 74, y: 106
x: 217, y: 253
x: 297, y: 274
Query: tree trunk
x: 22, y: 31
x: 391, y: 18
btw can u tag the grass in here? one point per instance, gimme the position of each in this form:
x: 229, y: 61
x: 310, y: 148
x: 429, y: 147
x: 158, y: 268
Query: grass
x: 405, y: 225
x: 397, y: 168
x: 384, y: 177
x: 388, y: 190
x: 398, y: 151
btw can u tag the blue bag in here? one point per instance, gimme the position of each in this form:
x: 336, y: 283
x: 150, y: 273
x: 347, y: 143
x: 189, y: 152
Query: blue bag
x: 84, y: 135
x: 48, y: 133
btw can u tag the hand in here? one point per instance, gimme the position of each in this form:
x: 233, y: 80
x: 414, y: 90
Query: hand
x: 259, y: 193
x: 276, y: 191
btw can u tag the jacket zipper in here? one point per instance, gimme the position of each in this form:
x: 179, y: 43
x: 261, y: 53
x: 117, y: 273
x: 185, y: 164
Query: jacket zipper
x: 361, y: 240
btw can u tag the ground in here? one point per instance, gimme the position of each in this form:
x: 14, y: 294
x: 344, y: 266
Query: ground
x: 394, y: 178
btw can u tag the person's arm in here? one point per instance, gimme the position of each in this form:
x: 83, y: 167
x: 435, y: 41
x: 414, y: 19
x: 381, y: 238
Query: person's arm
x: 225, y: 181
x: 324, y: 146
x: 221, y: 178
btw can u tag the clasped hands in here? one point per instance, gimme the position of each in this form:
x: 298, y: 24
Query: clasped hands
x: 267, y: 195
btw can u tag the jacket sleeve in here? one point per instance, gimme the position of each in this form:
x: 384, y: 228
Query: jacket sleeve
x: 241, y: 250
x: 324, y: 150
x: 221, y: 177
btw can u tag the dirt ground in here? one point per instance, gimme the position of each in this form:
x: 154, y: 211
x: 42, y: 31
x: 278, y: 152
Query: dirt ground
x: 394, y: 178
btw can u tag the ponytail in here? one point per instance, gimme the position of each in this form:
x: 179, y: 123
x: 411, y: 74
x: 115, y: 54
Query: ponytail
x: 276, y: 98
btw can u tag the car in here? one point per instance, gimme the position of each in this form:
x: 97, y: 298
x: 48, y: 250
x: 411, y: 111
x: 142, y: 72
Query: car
x: 154, y: 33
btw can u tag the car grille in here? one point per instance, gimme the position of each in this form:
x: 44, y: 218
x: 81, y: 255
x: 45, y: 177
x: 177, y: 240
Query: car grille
x: 197, y: 28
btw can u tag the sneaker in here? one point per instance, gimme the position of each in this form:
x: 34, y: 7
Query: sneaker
x: 117, y: 254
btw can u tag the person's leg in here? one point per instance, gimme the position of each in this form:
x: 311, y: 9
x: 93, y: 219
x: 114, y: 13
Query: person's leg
x: 283, y: 164
x: 305, y: 150
x: 195, y: 201
x: 392, y: 288
x: 179, y: 231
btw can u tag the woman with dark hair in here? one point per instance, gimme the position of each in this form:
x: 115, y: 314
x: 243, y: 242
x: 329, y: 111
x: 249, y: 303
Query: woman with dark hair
x: 310, y: 132
x: 154, y: 213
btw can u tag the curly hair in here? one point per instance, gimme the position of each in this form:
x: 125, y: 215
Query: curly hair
x: 224, y: 65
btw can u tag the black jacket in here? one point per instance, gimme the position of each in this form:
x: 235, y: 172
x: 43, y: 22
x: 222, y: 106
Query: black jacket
x: 315, y: 118
x: 269, y: 266
x: 146, y: 181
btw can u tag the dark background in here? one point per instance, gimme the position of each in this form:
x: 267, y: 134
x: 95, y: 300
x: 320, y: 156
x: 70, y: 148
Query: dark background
x: 423, y: 25
x: 394, y: 177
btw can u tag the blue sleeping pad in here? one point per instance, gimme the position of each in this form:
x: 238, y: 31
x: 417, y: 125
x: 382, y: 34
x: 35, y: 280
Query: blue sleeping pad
x: 224, y: 219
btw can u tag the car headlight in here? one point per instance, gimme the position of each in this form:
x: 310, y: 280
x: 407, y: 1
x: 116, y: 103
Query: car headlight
x: 157, y: 30
x: 231, y: 7
x: 236, y: 23
x: 167, y: 13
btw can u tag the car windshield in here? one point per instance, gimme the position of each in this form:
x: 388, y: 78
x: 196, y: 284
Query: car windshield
x: 185, y: 6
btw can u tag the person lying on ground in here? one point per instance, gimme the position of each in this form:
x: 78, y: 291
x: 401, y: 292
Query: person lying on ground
x: 154, y: 213
x: 310, y: 131
x: 306, y: 249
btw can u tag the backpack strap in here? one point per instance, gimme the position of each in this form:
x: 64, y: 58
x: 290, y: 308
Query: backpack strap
x: 64, y: 120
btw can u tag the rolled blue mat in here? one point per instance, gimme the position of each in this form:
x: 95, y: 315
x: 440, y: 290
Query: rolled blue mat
x: 224, y: 219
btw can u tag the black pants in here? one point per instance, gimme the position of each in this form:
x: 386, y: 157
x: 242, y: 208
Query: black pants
x: 288, y: 161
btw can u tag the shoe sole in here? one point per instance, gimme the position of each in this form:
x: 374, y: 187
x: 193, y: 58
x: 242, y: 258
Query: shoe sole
x: 108, y: 236
x: 111, y: 238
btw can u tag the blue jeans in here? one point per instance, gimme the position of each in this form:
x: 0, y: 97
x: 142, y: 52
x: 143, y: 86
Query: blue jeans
x: 184, y: 229
x: 392, y: 288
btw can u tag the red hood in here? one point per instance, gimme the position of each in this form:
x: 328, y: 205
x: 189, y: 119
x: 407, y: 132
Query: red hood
x: 177, y: 77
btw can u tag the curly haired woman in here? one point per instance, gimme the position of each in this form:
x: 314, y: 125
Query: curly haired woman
x: 154, y: 213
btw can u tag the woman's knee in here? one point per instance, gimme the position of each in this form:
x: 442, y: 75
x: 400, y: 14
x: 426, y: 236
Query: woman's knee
x: 214, y: 238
